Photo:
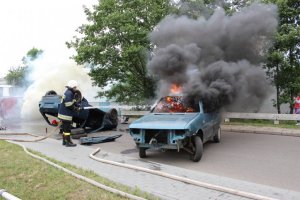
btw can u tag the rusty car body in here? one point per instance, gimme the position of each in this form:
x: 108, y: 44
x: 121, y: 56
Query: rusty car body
x: 173, y: 125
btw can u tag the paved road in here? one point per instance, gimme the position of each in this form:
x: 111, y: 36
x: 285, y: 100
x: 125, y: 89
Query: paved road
x: 266, y: 159
x: 259, y: 158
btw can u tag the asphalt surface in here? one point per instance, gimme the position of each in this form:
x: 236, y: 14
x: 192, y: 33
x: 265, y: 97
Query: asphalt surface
x: 161, y: 187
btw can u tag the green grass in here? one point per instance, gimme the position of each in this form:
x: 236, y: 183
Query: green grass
x: 264, y: 123
x: 29, y: 178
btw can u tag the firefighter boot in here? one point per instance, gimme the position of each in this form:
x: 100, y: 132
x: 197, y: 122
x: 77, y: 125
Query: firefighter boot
x: 63, y: 139
x: 69, y: 143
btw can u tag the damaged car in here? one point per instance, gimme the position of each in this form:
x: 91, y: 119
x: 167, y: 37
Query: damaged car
x: 173, y: 124
x: 90, y: 119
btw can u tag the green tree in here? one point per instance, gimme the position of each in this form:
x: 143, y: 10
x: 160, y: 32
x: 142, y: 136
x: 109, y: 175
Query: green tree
x: 282, y: 65
x: 236, y: 5
x: 32, y: 54
x: 114, y: 45
x: 196, y: 8
x: 17, y: 75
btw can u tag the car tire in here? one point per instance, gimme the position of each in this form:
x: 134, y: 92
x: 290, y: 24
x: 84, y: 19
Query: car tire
x: 217, y: 136
x: 76, y: 131
x: 197, y: 146
x: 113, y: 116
x: 77, y: 96
x: 142, y: 152
x: 51, y: 92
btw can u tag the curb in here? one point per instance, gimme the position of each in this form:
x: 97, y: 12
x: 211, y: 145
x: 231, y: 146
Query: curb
x: 261, y: 130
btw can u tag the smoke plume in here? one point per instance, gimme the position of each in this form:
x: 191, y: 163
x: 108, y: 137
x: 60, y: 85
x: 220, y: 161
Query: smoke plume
x: 47, y: 74
x: 216, y: 59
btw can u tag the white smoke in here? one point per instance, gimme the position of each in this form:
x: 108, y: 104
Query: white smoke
x: 48, y: 74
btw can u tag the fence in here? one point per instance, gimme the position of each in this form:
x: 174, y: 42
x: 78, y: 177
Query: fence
x: 267, y: 116
x: 234, y: 115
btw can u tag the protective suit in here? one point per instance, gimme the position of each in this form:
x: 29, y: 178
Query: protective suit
x: 66, y: 111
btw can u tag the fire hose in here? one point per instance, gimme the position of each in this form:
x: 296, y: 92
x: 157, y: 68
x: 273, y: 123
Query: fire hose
x: 35, y: 140
x: 182, y: 179
x: 3, y: 193
x: 88, y: 180
x: 133, y: 167
x: 7, y: 195
x: 19, y: 140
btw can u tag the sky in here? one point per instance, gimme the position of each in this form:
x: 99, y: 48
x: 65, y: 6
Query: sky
x: 45, y: 25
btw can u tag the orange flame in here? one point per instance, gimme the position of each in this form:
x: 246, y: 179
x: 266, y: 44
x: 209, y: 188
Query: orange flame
x: 169, y: 99
x: 175, y: 89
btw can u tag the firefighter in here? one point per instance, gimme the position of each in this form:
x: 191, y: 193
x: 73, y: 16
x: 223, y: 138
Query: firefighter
x: 67, y: 108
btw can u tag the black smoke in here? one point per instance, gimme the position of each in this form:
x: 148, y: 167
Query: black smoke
x: 216, y: 60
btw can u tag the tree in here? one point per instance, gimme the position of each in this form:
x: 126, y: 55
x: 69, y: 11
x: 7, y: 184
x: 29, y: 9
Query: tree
x: 282, y: 65
x: 32, y: 54
x: 236, y: 5
x: 17, y: 75
x: 195, y: 8
x: 115, y: 45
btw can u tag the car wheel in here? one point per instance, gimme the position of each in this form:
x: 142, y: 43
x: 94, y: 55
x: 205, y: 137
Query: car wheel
x: 142, y: 152
x: 77, y: 96
x: 217, y: 137
x: 51, y: 92
x: 197, y: 148
x: 76, y: 131
x: 113, y: 116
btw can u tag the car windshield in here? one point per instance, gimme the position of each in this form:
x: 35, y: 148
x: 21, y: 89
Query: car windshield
x: 174, y: 104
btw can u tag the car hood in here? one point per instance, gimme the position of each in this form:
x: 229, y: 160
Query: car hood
x: 164, y: 121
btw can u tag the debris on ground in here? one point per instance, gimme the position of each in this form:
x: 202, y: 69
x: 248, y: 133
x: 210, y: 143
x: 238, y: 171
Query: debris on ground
x: 124, y: 130
x: 124, y: 120
x: 99, y: 139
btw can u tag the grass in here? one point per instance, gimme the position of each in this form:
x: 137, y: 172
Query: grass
x: 264, y: 123
x: 29, y: 178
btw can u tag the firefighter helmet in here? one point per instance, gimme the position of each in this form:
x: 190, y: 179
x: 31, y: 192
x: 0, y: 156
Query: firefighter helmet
x: 72, y: 84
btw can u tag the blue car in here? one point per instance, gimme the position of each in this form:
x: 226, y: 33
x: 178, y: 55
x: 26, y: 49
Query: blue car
x: 172, y: 124
x: 91, y: 120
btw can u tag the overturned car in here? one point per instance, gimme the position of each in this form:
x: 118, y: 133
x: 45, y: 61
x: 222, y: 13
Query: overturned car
x: 172, y: 124
x: 90, y: 119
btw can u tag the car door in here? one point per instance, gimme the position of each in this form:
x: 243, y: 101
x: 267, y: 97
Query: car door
x: 207, y: 123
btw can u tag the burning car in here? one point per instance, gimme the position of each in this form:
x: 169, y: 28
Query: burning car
x: 91, y: 119
x: 173, y: 124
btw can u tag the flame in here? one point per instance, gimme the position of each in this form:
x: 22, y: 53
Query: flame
x: 172, y: 104
x: 176, y: 89
x: 169, y: 99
